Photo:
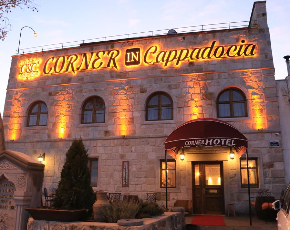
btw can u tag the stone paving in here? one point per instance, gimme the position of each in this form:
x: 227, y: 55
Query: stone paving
x: 239, y: 223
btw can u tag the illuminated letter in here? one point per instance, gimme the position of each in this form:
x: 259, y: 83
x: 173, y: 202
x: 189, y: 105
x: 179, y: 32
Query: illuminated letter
x: 180, y: 58
x: 148, y: 52
x: 56, y: 64
x: 208, y: 142
x: 221, y: 52
x: 71, y: 60
x: 85, y: 61
x: 46, y: 64
x: 233, y: 144
x: 113, y: 54
x: 197, y: 55
x: 207, y: 52
x: 168, y: 59
x: 135, y: 56
x: 252, y: 47
x: 162, y: 54
x: 240, y: 52
x: 216, y: 141
x: 229, y: 51
x: 97, y: 59
x: 128, y: 57
x: 223, y: 141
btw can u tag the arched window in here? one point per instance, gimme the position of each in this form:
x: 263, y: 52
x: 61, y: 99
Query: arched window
x: 93, y: 110
x: 232, y: 103
x: 159, y: 107
x: 37, y: 115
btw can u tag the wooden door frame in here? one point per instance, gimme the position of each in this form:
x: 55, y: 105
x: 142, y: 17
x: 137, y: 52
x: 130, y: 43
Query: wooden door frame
x: 222, y: 180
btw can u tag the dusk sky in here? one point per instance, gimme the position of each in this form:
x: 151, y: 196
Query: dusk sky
x: 70, y: 20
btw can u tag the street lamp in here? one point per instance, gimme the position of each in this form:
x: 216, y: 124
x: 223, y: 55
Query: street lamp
x: 35, y: 35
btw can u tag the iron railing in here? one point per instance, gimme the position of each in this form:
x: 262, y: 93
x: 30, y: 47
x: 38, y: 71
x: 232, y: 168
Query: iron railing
x: 151, y: 33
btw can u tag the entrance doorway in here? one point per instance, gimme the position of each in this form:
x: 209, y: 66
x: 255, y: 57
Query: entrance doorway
x: 208, y: 192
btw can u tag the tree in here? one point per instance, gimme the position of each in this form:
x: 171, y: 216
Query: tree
x: 6, y: 7
x: 74, y: 189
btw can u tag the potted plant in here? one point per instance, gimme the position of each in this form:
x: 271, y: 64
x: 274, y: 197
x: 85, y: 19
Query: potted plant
x: 74, y: 196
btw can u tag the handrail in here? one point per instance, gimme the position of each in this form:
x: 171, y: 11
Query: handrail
x: 151, y: 33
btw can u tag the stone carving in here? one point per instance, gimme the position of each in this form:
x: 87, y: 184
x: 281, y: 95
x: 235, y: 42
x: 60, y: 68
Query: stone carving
x: 7, y: 205
x: 21, y: 180
x: 6, y: 165
x: 5, y: 222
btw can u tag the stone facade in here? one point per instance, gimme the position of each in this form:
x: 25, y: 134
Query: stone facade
x: 126, y: 135
x: 284, y: 108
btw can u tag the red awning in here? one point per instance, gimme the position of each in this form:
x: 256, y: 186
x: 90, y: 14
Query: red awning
x: 206, y: 132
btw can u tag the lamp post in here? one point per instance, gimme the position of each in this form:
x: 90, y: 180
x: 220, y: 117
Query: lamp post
x: 35, y: 35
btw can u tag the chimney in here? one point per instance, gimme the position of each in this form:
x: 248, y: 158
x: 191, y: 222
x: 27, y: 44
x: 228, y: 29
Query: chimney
x: 287, y: 57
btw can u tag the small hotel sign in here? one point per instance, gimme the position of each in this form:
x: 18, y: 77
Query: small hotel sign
x: 112, y: 59
x: 210, y: 142
x: 132, y: 57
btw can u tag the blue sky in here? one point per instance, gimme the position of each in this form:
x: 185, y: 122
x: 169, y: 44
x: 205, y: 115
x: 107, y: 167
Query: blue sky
x: 70, y: 20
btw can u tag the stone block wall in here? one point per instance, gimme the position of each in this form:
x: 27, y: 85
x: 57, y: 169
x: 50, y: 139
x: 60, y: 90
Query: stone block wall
x: 168, y: 221
x: 126, y: 135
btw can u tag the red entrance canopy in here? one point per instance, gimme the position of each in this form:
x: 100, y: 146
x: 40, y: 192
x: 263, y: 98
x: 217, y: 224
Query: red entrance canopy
x: 206, y: 132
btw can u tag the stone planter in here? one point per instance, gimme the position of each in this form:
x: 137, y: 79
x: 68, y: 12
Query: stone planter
x: 101, y: 203
x: 57, y: 215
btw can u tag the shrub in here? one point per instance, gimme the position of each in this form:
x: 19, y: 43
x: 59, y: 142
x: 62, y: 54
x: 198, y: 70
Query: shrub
x: 120, y: 210
x: 74, y: 189
x: 149, y: 209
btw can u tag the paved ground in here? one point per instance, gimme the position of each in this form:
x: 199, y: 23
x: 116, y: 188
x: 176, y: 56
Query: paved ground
x: 239, y: 223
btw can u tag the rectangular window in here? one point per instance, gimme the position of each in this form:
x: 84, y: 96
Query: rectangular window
x: 171, y: 173
x: 253, y: 173
x: 93, y: 166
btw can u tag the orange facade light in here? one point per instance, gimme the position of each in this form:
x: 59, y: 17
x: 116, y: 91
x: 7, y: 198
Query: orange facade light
x: 257, y: 100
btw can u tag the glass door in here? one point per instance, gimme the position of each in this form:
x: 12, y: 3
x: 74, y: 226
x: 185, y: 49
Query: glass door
x: 208, y: 196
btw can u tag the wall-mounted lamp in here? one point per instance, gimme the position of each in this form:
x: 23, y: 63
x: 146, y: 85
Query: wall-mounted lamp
x: 41, y: 157
x: 182, y: 155
x: 232, y: 154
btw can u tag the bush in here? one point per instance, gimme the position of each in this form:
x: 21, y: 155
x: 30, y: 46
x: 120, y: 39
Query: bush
x: 149, y: 209
x: 120, y: 210
x: 74, y: 189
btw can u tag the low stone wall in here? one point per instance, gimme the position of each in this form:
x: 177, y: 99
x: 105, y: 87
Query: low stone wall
x: 168, y: 221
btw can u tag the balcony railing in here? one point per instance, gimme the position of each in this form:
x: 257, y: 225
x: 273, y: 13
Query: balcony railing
x: 151, y: 33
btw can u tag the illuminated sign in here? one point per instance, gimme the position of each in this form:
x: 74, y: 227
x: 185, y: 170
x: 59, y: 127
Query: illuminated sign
x: 29, y: 68
x: 132, y: 57
x: 210, y: 142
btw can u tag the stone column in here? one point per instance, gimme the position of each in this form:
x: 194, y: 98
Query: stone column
x: 21, y: 219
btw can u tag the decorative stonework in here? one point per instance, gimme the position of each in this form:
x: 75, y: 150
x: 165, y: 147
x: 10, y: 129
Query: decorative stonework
x: 5, y: 222
x: 4, y: 165
x: 7, y: 205
x: 21, y: 180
